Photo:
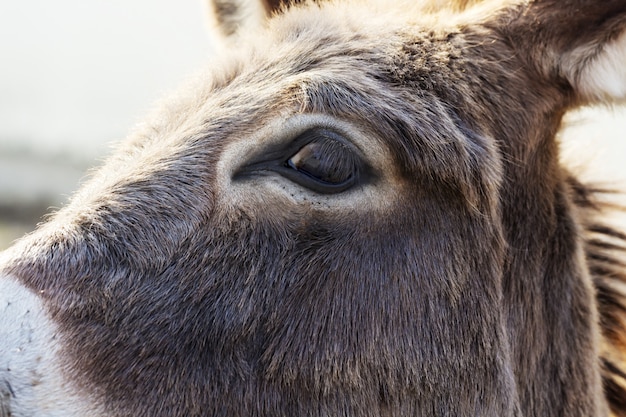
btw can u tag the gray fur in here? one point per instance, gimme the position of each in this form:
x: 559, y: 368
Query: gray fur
x: 457, y: 278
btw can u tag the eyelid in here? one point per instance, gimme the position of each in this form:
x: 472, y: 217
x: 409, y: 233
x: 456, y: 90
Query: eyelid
x: 277, y: 159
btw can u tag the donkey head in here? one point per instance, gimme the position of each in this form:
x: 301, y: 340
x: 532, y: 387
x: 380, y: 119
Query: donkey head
x: 358, y: 210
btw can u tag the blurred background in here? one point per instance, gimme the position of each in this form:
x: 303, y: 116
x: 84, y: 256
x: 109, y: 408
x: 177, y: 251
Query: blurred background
x: 76, y: 75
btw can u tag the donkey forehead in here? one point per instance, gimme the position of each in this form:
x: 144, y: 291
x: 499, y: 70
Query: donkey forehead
x: 356, y: 81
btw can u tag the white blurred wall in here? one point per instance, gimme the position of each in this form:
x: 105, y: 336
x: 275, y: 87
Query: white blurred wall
x: 76, y: 75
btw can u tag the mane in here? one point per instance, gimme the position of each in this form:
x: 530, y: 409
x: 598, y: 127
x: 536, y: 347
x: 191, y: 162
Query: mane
x: 605, y: 251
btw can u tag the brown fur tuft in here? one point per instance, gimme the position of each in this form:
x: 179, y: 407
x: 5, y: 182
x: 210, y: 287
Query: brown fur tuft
x: 605, y: 249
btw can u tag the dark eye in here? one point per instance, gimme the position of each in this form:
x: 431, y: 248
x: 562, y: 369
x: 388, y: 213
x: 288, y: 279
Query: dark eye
x: 324, y: 159
x: 319, y: 159
x: 324, y: 163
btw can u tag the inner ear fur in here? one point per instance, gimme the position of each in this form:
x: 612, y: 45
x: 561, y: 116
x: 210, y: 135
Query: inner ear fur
x: 232, y: 17
x: 277, y: 6
x: 581, y: 42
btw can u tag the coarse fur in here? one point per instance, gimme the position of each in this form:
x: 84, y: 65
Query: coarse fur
x: 466, y: 272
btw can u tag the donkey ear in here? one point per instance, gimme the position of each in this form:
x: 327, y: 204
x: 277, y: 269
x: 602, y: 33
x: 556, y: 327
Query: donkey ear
x: 235, y: 16
x: 580, y: 41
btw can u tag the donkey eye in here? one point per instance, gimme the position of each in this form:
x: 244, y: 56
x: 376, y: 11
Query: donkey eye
x: 325, y: 163
x: 319, y: 159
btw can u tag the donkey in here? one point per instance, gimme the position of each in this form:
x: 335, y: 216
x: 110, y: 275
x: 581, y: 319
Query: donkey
x: 359, y: 210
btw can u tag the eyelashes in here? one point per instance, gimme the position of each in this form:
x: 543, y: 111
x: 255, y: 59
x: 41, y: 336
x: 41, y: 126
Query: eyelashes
x: 325, y: 163
x: 319, y: 159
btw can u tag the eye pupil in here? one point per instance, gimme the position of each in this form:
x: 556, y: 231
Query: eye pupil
x: 319, y: 159
x: 326, y: 160
x: 307, y: 159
